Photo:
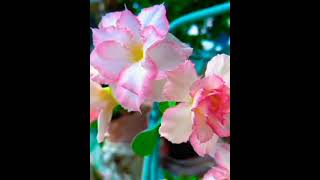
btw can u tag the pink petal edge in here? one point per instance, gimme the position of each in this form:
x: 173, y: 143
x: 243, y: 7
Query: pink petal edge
x: 155, y: 16
x: 167, y: 55
x: 177, y: 123
x: 179, y: 82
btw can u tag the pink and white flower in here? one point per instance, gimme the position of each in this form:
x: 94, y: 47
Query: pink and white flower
x: 131, y: 52
x: 203, y: 113
x: 102, y: 103
x: 222, y: 169
x: 95, y: 76
x: 219, y: 65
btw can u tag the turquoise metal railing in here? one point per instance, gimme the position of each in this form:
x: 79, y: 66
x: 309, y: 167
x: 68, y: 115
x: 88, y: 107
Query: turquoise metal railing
x: 151, y: 164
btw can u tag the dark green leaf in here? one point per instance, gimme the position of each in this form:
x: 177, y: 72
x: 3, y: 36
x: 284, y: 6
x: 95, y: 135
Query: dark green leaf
x: 165, y: 105
x: 94, y: 125
x: 168, y: 175
x: 145, y: 142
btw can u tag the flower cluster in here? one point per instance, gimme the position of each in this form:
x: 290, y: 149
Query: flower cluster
x: 133, y: 53
x: 203, y: 114
x: 142, y: 62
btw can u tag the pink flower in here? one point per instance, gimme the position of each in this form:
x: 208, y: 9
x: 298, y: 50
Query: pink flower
x: 95, y: 75
x: 220, y: 65
x: 102, y: 103
x: 203, y: 114
x: 132, y: 52
x: 222, y: 169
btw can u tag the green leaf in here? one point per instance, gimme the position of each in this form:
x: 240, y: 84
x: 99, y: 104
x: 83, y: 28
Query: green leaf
x: 168, y: 175
x: 116, y: 113
x: 93, y: 125
x: 184, y: 177
x: 145, y: 142
x: 163, y: 106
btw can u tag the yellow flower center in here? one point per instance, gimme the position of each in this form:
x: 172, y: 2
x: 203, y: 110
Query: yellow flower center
x: 110, y: 96
x: 137, y: 52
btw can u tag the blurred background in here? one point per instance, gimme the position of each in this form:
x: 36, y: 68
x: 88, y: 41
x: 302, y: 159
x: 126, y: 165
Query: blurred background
x: 114, y: 158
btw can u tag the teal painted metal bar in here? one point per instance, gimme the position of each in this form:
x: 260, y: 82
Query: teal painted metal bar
x: 155, y: 162
x: 201, y: 14
x: 146, y: 165
x: 151, y: 165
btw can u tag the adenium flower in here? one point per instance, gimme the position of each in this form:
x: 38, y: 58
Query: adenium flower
x: 95, y: 75
x: 132, y: 54
x: 222, y: 169
x: 202, y: 116
x: 102, y: 103
x: 220, y: 65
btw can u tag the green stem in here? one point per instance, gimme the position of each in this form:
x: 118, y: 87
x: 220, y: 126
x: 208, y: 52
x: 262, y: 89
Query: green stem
x: 201, y: 14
